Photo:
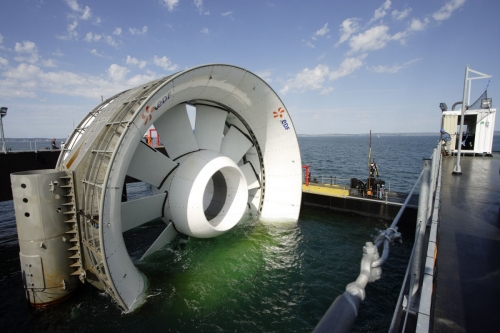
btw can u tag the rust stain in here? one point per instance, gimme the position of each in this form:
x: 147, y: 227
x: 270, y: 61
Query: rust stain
x: 72, y: 159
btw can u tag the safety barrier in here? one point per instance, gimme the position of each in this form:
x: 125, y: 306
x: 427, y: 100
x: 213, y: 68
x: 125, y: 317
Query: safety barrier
x: 329, y: 179
x: 343, y: 312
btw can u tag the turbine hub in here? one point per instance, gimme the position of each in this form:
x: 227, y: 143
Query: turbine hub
x: 209, y: 195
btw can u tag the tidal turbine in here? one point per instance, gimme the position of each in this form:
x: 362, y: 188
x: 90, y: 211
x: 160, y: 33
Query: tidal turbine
x: 241, y: 158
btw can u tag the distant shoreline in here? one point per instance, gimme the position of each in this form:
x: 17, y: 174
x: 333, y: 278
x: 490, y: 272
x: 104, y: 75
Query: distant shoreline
x: 31, y: 139
x: 299, y: 135
x: 373, y: 134
x: 379, y: 134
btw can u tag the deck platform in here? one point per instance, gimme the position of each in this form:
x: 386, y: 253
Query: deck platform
x: 338, y: 198
x: 467, y: 284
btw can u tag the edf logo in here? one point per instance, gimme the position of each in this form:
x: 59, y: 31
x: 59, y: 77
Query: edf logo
x: 279, y: 114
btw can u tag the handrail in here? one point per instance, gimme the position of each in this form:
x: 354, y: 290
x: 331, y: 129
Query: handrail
x: 401, y: 293
x: 335, y: 180
x: 435, y: 183
x: 342, y: 313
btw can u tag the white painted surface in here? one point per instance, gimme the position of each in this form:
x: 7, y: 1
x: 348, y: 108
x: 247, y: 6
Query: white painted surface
x: 251, y: 104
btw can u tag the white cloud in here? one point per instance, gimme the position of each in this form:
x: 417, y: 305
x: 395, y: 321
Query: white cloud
x: 71, y: 32
x: 394, y: 68
x: 307, y: 79
x: 48, y: 63
x: 78, y: 13
x: 323, y: 31
x: 417, y: 25
x: 445, y: 12
x: 135, y: 31
x: 72, y: 26
x: 309, y: 44
x: 23, y: 71
x: 141, y: 79
x: 85, y: 12
x: 228, y: 14
x: 381, y: 11
x: 373, y: 39
x: 414, y: 25
x: 4, y: 62
x: 94, y: 37
x: 27, y: 80
x: 89, y: 37
x: 348, y: 66
x: 399, y: 15
x: 170, y: 4
x: 347, y: 28
x: 205, y: 31
x: 117, y: 72
x: 400, y: 36
x: 313, y: 79
x: 26, y: 47
x: 96, y: 53
x: 199, y: 7
x: 58, y: 53
x: 326, y: 90
x: 117, y: 32
x: 109, y: 40
x: 135, y: 62
x: 73, y: 4
x: 26, y: 51
x: 164, y: 63
x: 1, y: 38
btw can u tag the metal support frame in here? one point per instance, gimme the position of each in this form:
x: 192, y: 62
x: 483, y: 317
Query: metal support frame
x: 457, y: 170
x: 3, y: 113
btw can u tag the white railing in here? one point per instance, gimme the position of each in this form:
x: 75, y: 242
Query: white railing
x: 342, y: 313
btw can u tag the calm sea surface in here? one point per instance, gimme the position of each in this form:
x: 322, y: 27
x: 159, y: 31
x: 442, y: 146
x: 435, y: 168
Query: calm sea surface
x: 255, y: 278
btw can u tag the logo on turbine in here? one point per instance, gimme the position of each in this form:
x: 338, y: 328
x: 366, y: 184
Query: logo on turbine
x: 279, y: 114
x: 147, y: 115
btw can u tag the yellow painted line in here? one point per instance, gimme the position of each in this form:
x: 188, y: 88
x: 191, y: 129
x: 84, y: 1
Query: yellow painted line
x: 329, y: 190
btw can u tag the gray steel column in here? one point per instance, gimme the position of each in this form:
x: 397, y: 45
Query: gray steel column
x: 3, y: 139
x: 432, y: 184
x: 458, y: 170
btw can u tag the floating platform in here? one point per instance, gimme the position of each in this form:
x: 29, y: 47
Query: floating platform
x: 18, y: 161
x: 340, y: 198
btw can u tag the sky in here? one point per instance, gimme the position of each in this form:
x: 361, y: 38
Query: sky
x: 339, y: 66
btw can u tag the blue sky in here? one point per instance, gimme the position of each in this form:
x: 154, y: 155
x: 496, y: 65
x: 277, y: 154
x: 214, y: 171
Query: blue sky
x: 339, y: 66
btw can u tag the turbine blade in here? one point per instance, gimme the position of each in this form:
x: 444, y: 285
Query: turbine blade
x: 209, y: 127
x: 250, y: 176
x: 149, y: 165
x: 235, y: 144
x: 176, y: 132
x: 165, y: 237
x: 140, y: 211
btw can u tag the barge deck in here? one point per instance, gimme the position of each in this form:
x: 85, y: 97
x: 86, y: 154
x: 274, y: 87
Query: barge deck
x: 467, y: 279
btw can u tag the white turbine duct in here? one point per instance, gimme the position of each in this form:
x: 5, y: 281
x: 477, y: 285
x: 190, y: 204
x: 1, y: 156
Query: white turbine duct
x: 241, y: 158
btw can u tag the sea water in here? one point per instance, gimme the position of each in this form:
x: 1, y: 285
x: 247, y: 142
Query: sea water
x: 255, y: 278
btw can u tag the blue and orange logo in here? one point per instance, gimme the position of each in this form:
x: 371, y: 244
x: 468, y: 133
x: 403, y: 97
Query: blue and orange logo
x: 279, y: 114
